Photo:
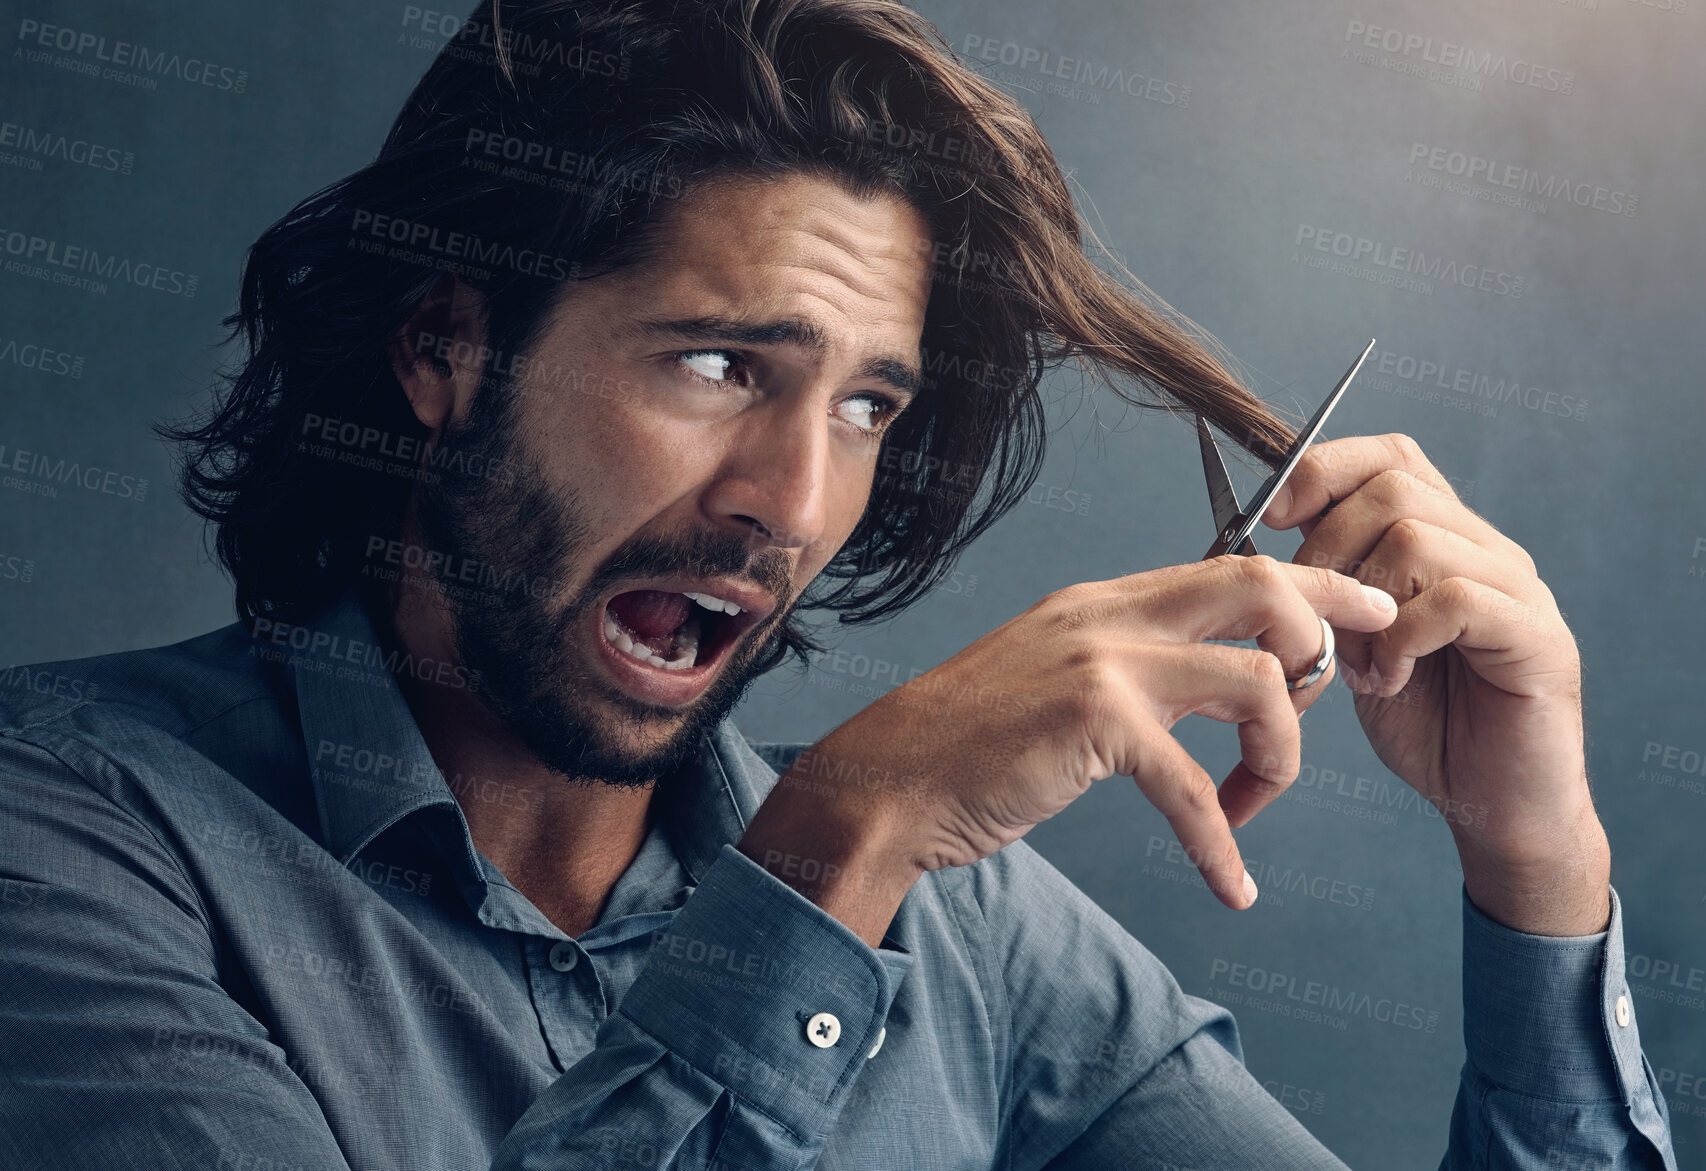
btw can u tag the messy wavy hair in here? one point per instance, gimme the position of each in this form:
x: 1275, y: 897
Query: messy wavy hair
x: 537, y: 151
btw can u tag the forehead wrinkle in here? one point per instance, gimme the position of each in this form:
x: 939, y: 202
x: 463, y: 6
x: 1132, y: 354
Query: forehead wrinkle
x: 871, y: 263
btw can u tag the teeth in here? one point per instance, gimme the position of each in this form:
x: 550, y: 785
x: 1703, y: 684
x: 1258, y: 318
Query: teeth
x: 686, y: 654
x: 711, y: 602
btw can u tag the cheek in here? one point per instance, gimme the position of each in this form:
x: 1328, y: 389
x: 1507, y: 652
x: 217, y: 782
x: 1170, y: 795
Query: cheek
x: 624, y: 458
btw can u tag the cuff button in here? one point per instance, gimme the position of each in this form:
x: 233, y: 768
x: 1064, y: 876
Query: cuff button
x: 823, y: 1030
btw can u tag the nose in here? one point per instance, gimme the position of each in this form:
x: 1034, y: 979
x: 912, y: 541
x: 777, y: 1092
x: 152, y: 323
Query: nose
x: 773, y: 484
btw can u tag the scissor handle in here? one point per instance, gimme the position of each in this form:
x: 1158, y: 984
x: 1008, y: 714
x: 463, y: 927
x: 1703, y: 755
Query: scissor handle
x: 1247, y: 549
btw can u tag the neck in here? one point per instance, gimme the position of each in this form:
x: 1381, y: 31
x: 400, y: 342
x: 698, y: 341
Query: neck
x: 563, y: 842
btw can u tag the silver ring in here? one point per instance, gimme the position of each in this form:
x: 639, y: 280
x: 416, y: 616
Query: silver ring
x: 1322, y: 661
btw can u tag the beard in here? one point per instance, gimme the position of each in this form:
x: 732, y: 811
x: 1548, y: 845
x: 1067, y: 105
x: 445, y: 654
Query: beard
x: 494, y: 505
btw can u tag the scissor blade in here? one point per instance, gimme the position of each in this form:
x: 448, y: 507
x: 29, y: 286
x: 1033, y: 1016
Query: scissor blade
x: 1273, y: 483
x: 1221, y: 496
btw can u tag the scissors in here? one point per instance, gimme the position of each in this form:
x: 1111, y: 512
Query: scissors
x: 1234, y: 521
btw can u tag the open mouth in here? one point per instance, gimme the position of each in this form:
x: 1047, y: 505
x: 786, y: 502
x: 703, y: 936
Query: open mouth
x: 674, y: 631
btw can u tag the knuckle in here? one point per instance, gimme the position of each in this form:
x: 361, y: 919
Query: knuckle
x: 1074, y: 609
x: 1404, y: 449
x: 1393, y: 485
x: 1408, y: 536
x: 1198, y: 801
x: 1098, y: 683
x: 1458, y: 592
x: 1267, y: 674
x: 1332, y: 576
x: 1262, y: 571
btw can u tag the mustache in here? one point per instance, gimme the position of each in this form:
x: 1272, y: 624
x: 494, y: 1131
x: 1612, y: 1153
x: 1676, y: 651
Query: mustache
x: 702, y: 554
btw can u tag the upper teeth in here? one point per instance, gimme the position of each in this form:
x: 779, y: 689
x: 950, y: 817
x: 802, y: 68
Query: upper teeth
x: 714, y: 603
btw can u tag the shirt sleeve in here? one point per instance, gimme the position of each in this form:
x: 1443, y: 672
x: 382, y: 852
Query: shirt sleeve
x: 1554, y: 1076
x: 119, y: 1046
x: 1117, y: 1066
x: 736, y: 1046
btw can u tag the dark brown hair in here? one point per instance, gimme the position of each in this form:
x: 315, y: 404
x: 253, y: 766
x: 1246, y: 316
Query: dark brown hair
x: 537, y: 150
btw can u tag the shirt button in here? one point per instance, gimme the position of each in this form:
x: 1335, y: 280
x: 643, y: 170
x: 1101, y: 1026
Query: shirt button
x: 881, y: 1033
x: 1623, y: 1011
x: 823, y: 1030
x: 563, y: 957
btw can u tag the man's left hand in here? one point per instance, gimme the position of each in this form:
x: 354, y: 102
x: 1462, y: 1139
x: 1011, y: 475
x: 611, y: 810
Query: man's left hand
x: 1473, y: 694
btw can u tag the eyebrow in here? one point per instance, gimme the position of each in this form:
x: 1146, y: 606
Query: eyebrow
x: 899, y: 375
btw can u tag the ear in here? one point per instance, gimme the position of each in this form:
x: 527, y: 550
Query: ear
x: 438, y: 354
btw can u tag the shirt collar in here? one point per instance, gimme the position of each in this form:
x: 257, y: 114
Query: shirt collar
x: 370, y: 766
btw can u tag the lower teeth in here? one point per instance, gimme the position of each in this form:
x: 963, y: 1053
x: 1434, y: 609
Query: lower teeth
x: 686, y: 647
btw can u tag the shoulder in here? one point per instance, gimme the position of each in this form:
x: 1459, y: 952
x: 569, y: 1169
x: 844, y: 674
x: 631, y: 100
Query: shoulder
x: 101, y: 757
x: 175, y: 688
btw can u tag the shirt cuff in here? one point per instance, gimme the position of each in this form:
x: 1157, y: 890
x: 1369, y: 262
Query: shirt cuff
x: 766, y: 993
x: 1550, y: 1016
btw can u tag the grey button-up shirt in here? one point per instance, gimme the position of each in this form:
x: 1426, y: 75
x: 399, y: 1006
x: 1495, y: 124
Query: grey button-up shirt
x: 243, y: 925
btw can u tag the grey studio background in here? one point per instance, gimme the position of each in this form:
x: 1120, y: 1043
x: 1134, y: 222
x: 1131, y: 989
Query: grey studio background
x: 1505, y: 192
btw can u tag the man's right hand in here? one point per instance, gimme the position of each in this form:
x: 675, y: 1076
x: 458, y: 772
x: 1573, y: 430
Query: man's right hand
x: 1087, y: 683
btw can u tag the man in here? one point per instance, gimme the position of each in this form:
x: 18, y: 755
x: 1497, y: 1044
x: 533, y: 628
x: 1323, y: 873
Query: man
x: 553, y: 418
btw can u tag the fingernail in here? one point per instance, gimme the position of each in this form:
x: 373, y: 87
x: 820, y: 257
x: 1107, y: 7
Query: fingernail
x: 1249, y: 889
x: 1379, y: 598
x: 1279, y: 505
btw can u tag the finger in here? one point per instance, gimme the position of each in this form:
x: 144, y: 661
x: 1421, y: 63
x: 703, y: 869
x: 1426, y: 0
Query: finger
x: 1414, y: 555
x: 1178, y: 787
x: 1499, y: 636
x: 1358, y: 523
x: 1329, y: 472
x: 1274, y: 602
x: 1243, y: 794
x: 1235, y: 685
